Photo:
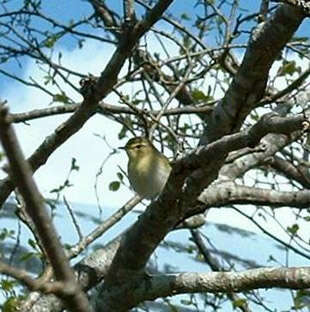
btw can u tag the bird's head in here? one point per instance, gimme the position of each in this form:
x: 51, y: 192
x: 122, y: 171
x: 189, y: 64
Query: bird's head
x: 138, y: 147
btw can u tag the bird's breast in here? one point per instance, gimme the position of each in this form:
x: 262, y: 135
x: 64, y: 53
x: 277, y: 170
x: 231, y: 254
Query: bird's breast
x: 147, y: 177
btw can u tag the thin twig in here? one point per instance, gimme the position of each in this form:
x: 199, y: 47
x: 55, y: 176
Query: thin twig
x: 75, y: 223
x: 103, y: 227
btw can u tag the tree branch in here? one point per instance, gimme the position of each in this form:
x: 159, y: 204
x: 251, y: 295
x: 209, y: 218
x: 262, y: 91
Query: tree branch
x: 300, y: 4
x: 163, y: 214
x: 103, y: 227
x: 290, y: 171
x: 230, y: 193
x: 158, y: 286
x: 93, y: 94
x: 215, y: 267
x: 106, y: 109
x: 249, y: 83
x: 21, y: 174
x: 268, y: 146
x: 89, y: 272
x: 32, y: 284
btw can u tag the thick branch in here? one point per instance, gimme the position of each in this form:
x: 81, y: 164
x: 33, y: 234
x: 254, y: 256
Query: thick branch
x: 290, y: 171
x: 249, y: 84
x: 219, y: 282
x: 237, y: 194
x: 162, y: 215
x: 301, y: 4
x: 268, y: 147
x: 32, y: 284
x: 215, y: 266
x: 21, y: 174
x: 93, y: 268
x: 89, y: 272
x: 203, y: 158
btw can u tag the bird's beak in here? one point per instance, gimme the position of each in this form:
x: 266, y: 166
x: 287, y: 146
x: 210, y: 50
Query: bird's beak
x: 122, y: 147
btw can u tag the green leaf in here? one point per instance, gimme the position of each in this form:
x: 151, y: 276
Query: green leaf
x: 300, y: 298
x: 61, y: 97
x: 114, y: 186
x: 48, y: 79
x: 288, y: 68
x: 5, y: 233
x: 293, y: 229
x: 12, y: 304
x: 27, y: 256
x: 239, y: 303
x: 50, y: 41
x: 7, y: 285
x: 199, y: 96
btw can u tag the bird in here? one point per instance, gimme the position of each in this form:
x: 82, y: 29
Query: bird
x: 148, y: 169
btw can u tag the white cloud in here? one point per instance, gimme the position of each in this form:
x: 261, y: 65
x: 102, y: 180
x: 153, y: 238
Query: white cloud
x: 88, y: 149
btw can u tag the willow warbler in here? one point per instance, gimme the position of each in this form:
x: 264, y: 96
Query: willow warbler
x: 148, y: 169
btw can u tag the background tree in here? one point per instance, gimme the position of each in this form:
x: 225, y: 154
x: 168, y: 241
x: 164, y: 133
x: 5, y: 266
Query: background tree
x: 205, y: 91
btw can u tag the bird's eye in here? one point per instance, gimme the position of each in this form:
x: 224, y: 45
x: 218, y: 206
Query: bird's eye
x: 138, y: 146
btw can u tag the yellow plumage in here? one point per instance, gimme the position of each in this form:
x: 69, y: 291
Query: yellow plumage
x: 148, y: 169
